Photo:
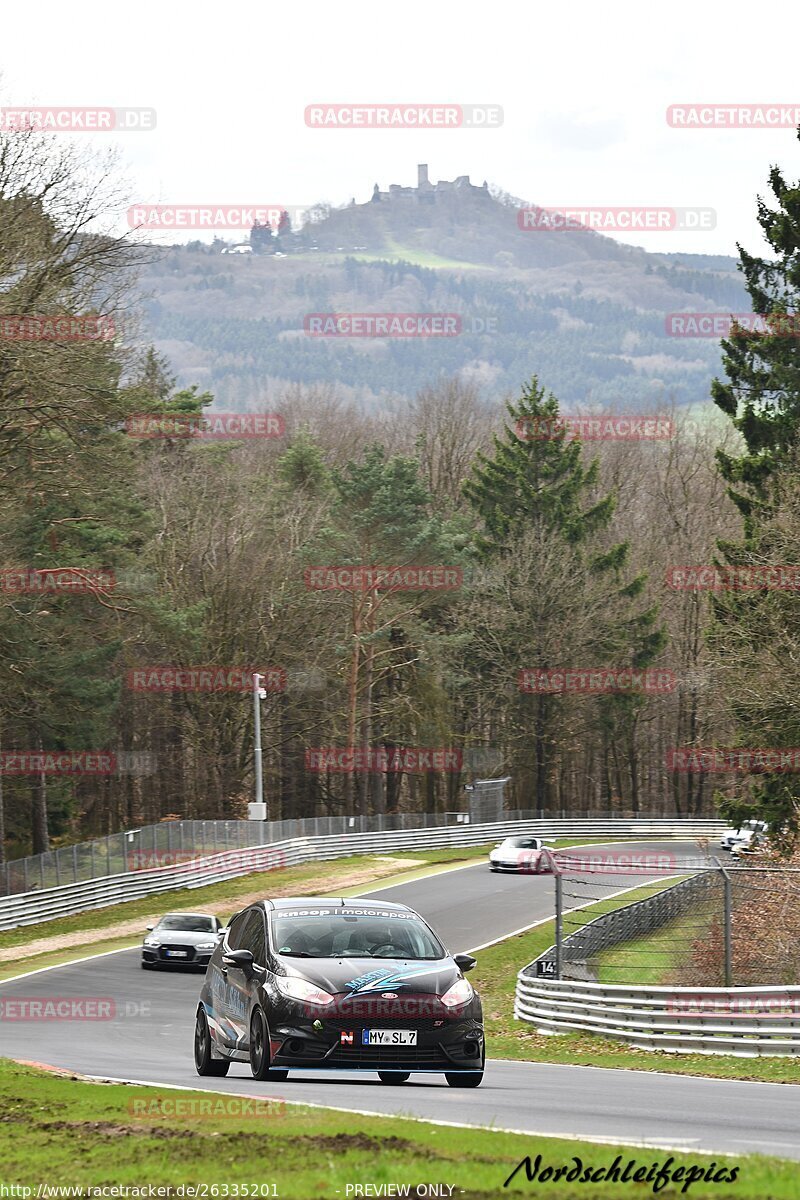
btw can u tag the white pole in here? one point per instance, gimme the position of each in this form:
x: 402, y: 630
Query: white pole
x: 258, y: 692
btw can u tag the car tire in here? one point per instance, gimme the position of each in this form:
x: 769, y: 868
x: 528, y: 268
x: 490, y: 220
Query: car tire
x: 393, y: 1076
x: 259, y: 1050
x: 464, y: 1079
x: 203, y: 1062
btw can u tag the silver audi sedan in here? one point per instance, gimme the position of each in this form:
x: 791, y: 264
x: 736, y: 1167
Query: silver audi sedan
x: 182, y: 940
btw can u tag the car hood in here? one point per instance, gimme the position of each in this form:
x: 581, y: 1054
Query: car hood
x: 185, y: 937
x: 373, y: 976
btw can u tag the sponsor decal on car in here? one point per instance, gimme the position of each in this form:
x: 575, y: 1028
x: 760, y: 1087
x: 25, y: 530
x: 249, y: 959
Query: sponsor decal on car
x: 374, y: 981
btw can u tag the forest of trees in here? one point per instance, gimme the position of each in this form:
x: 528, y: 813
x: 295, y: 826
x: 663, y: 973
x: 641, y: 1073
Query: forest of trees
x: 234, y: 323
x: 561, y: 552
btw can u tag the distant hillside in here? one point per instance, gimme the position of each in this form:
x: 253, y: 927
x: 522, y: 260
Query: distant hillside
x: 584, y: 312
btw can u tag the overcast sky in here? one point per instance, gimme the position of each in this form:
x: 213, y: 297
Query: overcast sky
x: 584, y: 89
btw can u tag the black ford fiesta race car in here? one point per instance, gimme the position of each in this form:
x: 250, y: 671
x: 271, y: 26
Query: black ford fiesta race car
x: 340, y: 985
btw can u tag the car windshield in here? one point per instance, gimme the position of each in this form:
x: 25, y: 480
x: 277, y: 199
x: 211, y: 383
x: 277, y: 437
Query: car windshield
x: 353, y: 933
x: 187, y: 924
x: 522, y: 843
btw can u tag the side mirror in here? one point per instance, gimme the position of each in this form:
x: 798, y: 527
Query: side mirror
x: 465, y: 962
x: 220, y: 934
x: 243, y: 959
x: 151, y: 927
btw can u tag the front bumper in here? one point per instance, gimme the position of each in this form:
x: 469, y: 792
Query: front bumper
x: 442, y: 1045
x: 446, y: 1039
x: 187, y: 956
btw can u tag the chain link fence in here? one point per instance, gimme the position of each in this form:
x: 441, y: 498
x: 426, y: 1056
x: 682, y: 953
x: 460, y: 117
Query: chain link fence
x: 171, y: 843
x: 722, y: 924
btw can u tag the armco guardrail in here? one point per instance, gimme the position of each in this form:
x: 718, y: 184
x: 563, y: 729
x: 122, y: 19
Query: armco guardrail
x: 742, y: 1021
x: 33, y: 907
x: 747, y: 1021
x: 172, y: 841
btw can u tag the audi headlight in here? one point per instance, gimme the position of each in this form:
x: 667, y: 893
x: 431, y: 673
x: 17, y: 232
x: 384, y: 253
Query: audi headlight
x: 207, y: 946
x: 460, y: 993
x: 301, y: 989
x: 152, y: 941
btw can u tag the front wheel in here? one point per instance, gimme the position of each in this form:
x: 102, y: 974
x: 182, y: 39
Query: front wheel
x: 459, y: 1079
x: 393, y: 1076
x: 203, y: 1062
x: 259, y: 1050
x: 467, y: 1079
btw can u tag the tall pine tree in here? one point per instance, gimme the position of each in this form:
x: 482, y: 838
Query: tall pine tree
x: 535, y: 490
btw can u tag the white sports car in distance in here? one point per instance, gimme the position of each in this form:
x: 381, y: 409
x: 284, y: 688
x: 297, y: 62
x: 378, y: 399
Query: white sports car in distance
x: 522, y: 853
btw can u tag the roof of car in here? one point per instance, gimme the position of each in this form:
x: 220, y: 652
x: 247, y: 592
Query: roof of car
x: 331, y: 902
x: 185, y: 914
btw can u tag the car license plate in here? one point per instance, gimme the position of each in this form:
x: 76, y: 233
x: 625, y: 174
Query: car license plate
x: 177, y: 953
x: 388, y: 1037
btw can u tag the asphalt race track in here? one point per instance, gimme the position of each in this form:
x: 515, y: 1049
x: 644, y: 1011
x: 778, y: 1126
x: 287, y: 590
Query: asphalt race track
x: 149, y: 1039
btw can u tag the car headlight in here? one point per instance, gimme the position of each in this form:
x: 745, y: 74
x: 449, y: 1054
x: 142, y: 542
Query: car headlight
x: 152, y: 941
x: 460, y: 993
x: 207, y: 946
x: 301, y: 989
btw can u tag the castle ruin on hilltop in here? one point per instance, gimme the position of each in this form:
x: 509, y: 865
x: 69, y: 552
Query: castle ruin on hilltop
x: 429, y: 193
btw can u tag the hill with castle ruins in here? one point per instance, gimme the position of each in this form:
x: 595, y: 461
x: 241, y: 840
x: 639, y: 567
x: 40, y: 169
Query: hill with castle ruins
x: 585, y: 312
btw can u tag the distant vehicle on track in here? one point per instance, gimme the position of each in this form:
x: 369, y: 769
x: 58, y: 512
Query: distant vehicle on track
x: 748, y: 832
x: 181, y: 939
x: 521, y: 853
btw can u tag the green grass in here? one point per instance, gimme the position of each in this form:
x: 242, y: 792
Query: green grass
x: 65, y: 1132
x: 658, y: 957
x: 495, y: 977
x: 418, y: 258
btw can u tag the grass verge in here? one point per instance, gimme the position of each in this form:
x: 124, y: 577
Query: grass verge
x: 495, y: 977
x: 660, y: 957
x: 60, y: 1131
